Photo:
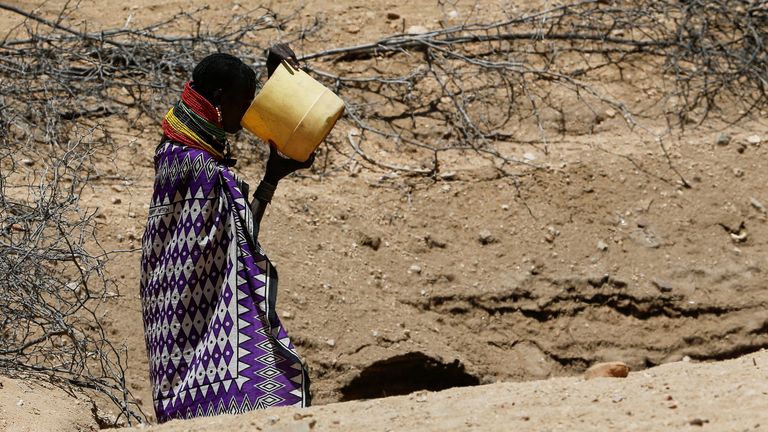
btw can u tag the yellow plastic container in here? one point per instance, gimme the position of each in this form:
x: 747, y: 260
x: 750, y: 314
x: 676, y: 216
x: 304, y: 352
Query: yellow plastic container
x: 294, y: 111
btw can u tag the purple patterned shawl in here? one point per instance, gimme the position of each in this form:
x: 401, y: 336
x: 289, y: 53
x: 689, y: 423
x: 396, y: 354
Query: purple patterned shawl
x: 208, y: 292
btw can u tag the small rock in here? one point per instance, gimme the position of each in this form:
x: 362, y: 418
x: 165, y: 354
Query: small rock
x: 331, y: 342
x: 723, y: 139
x: 757, y: 205
x: 661, y: 284
x: 738, y: 172
x: 505, y: 207
x: 529, y: 156
x: 646, y: 237
x: 739, y: 237
x: 120, y: 238
x: 450, y: 175
x: 754, y: 139
x: 698, y: 422
x: 434, y: 243
x: 287, y: 314
x: 602, y: 246
x: 373, y: 242
x: 536, y: 268
x: 552, y: 234
x: 686, y: 359
x: 20, y: 403
x: 300, y: 416
x: 641, y: 222
x: 415, y: 268
x: 607, y: 370
x: 392, y: 16
x: 617, y: 398
x: 116, y: 200
x: 27, y: 162
x: 610, y: 113
x: 598, y: 280
x: 485, y: 237
x: 131, y: 215
x: 417, y: 30
x: 453, y: 14
x: 352, y: 29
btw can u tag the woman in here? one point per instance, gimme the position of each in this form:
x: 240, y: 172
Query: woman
x: 208, y: 291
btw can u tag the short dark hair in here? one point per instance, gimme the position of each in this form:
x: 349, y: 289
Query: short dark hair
x: 222, y: 71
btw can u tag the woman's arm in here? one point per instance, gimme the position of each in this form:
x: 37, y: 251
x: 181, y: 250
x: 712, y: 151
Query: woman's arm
x: 261, y: 198
x: 277, y: 168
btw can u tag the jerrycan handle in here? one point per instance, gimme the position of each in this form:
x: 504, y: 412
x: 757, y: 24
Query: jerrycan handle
x: 291, y: 69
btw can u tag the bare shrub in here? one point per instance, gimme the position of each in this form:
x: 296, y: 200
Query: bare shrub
x: 53, y: 283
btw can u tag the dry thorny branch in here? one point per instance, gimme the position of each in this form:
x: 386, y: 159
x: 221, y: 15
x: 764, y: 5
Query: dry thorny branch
x: 53, y: 280
x: 476, y: 88
x: 481, y: 86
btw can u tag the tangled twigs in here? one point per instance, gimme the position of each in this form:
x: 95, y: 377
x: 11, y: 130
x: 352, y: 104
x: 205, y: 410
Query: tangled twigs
x: 53, y: 281
x: 353, y: 141
x: 479, y: 85
x: 530, y: 76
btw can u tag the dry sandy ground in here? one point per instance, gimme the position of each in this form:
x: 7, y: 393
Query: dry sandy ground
x: 600, y: 255
x: 27, y: 406
x: 723, y: 396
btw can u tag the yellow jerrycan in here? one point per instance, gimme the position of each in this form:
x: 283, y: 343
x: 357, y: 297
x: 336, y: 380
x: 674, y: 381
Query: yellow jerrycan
x: 294, y: 111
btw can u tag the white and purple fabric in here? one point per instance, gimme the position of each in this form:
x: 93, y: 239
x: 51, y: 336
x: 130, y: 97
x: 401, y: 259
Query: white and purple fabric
x: 208, y: 292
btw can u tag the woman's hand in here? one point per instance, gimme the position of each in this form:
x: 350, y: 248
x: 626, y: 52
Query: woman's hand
x: 277, y: 53
x: 278, y: 167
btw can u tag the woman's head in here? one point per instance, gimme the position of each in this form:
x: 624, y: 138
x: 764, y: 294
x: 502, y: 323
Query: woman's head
x: 228, y: 84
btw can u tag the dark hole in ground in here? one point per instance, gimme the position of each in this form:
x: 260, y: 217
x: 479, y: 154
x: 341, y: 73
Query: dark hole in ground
x: 406, y: 374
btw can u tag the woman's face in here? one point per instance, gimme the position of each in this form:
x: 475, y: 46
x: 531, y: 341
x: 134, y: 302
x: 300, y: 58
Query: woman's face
x: 234, y: 104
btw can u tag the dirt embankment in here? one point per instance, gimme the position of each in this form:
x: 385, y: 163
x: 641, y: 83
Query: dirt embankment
x: 390, y: 285
x: 723, y: 396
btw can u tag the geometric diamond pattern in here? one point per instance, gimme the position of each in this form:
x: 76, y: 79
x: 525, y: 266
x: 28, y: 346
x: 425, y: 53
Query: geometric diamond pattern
x: 214, y: 340
x: 270, y: 386
x: 268, y: 372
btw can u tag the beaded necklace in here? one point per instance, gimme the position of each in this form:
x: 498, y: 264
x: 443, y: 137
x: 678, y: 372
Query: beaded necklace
x: 194, y: 121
